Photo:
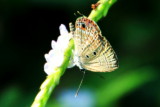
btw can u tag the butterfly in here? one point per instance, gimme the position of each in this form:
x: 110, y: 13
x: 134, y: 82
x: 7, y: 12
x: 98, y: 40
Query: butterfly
x: 93, y: 51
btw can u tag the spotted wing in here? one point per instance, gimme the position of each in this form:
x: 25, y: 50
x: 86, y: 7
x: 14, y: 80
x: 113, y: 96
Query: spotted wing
x: 84, y: 35
x: 95, y: 52
x: 106, y: 61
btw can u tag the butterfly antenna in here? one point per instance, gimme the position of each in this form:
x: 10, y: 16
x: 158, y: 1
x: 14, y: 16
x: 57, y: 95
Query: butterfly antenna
x: 78, y: 14
x: 80, y: 84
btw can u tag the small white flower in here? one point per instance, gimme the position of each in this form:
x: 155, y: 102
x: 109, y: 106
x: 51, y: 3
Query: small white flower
x: 55, y: 56
x: 53, y: 44
x: 63, y: 30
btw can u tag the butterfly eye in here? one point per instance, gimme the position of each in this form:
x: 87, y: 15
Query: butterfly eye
x: 83, y: 25
x: 87, y: 56
x: 94, y: 53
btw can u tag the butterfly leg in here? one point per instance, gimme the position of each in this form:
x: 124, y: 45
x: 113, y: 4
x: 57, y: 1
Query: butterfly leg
x: 71, y: 28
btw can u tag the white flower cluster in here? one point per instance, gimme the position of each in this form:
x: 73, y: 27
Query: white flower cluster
x: 56, y: 55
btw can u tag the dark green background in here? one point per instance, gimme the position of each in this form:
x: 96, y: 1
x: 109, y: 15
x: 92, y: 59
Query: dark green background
x: 132, y: 27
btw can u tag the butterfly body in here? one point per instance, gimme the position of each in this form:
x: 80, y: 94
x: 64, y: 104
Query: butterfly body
x: 92, y: 51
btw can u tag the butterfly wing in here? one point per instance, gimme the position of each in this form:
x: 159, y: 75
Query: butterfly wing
x: 94, y: 51
x: 106, y: 61
x: 84, y: 36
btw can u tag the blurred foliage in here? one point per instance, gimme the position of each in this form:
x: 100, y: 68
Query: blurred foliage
x: 132, y: 27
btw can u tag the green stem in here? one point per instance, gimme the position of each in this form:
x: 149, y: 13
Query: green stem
x: 101, y: 10
x: 52, y: 80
